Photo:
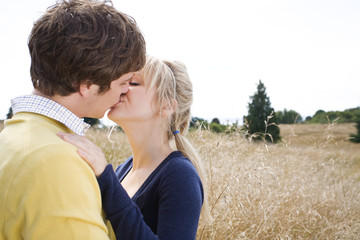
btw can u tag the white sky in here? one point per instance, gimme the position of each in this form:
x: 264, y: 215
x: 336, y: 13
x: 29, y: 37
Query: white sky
x: 306, y: 52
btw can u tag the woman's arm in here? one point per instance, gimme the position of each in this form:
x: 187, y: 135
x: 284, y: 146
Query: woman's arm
x: 180, y: 202
x: 124, y: 215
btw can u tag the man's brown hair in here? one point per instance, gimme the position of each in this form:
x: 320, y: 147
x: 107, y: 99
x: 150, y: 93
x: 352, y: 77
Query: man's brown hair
x: 83, y: 40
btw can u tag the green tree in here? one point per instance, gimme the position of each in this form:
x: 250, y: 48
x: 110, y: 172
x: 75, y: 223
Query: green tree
x: 318, y: 112
x: 260, y: 122
x: 288, y: 117
x: 215, y: 120
x: 356, y: 137
x: 308, y: 119
x: 218, y: 128
x: 197, y: 122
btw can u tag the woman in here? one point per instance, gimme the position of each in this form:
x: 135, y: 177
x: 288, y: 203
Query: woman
x: 157, y: 193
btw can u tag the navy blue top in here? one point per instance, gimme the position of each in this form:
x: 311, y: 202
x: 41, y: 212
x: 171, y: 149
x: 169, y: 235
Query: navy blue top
x: 166, y: 206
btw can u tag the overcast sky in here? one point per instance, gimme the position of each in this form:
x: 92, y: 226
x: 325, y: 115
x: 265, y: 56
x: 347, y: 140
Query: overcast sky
x: 306, y: 52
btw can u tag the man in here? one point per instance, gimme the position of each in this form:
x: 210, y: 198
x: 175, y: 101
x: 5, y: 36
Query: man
x: 83, y: 54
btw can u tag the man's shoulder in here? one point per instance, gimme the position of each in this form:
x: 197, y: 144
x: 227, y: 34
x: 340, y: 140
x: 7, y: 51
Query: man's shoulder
x: 46, y: 164
x: 33, y: 131
x: 39, y: 152
x: 51, y: 162
x: 32, y: 125
x: 22, y: 140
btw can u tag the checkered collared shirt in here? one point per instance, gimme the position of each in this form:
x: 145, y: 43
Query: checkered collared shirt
x: 51, y: 109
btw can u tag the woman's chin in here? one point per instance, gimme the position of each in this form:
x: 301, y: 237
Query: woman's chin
x: 114, y: 116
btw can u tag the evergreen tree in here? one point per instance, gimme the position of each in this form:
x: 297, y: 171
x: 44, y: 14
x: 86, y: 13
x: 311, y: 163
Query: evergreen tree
x: 261, y: 120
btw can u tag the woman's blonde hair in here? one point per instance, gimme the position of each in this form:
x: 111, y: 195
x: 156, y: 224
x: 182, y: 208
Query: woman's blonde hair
x: 172, y: 82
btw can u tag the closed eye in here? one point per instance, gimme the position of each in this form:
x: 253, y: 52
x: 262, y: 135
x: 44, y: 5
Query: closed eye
x: 134, y: 84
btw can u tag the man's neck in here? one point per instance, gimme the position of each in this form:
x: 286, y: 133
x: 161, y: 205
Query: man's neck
x: 71, y: 102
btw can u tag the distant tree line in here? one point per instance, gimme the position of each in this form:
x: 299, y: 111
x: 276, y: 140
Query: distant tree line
x: 214, y: 126
x: 349, y: 115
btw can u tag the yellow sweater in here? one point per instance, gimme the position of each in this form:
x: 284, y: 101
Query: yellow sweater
x: 46, y: 190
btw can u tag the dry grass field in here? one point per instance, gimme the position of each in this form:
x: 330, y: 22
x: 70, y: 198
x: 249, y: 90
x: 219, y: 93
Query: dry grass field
x: 307, y: 187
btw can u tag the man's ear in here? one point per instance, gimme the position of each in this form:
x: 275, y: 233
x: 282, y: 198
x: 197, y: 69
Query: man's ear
x: 87, y: 90
x: 170, y: 108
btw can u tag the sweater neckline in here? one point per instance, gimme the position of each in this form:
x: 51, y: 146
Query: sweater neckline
x: 171, y: 156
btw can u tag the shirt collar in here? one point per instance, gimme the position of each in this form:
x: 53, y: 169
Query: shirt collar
x: 51, y: 109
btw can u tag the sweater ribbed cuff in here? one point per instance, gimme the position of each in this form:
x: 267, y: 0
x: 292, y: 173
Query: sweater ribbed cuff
x: 112, y: 193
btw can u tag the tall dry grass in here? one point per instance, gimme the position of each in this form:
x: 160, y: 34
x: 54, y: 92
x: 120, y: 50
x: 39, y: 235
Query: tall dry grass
x: 307, y: 187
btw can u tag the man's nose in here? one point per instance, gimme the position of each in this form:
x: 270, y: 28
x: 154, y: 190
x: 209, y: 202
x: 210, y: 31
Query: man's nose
x: 125, y: 87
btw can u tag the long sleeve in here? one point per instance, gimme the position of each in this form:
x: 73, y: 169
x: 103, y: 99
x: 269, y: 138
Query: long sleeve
x: 125, y: 217
x: 176, y: 193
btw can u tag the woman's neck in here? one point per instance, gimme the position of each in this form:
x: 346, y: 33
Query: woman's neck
x: 149, y: 144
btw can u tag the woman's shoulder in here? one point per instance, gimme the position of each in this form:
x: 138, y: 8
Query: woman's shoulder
x: 176, y: 164
x: 180, y: 175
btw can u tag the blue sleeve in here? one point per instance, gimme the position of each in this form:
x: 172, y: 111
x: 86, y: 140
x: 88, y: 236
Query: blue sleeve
x: 181, y: 197
x: 124, y: 215
x: 180, y: 203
